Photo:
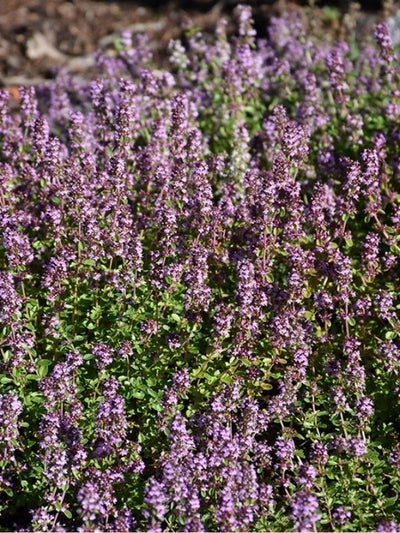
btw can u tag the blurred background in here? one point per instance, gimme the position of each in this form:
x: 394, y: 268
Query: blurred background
x: 38, y: 37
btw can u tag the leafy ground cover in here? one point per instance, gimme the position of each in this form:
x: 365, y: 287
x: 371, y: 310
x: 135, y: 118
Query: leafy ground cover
x: 199, y: 288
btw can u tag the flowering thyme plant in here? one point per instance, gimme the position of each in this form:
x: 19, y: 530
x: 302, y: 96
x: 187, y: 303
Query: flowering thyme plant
x: 199, y: 289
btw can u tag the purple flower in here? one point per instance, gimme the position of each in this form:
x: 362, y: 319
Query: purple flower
x: 110, y: 418
x: 339, y: 398
x: 246, y: 287
x: 395, y: 457
x: 387, y: 526
x: 295, y: 141
x: 382, y: 35
x: 357, y: 446
x: 96, y: 497
x: 385, y: 305
x: 337, y: 73
x: 43, y: 520
x: 90, y: 501
x: 390, y: 354
x: 198, y: 293
x: 319, y: 453
x: 154, y: 499
x: 29, y: 105
x: 246, y: 29
x: 10, y: 410
x: 306, y: 475
x: 341, y: 515
x: 364, y: 408
x: 181, y: 381
x: 284, y: 451
x: 18, y: 248
x: 304, y: 508
x: 124, y: 520
x: 222, y: 321
x: 103, y: 355
x: 370, y: 254
x: 10, y: 300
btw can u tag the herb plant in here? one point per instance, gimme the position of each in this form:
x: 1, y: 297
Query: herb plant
x: 199, y: 289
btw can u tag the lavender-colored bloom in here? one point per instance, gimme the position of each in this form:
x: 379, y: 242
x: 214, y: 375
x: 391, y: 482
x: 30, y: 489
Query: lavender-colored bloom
x: 370, y: 181
x: 355, y: 371
x: 43, y: 520
x: 395, y: 457
x: 389, y: 261
x: 111, y: 423
x: 362, y: 306
x: 96, y: 497
x: 387, y: 526
x: 225, y: 514
x: 202, y: 202
x: 341, y: 515
x: 385, y: 305
x: 370, y: 254
x: 102, y: 354
x: 171, y: 395
x: 124, y: 520
x: 55, y: 273
x: 198, y: 293
x: 365, y: 407
x: 382, y: 35
x: 150, y: 327
x: 284, y: 451
x: 357, y: 446
x: 73, y: 360
x: 339, y: 399
x: 304, y: 508
x: 29, y: 105
x: 90, y: 501
x: 41, y: 136
x: 177, y: 54
x: 344, y: 275
x: 246, y: 30
x: 371, y: 162
x: 18, y: 248
x: 338, y: 444
x: 306, y: 475
x: 154, y: 499
x: 10, y: 300
x: 266, y: 496
x: 222, y: 321
x: 300, y: 360
x: 58, y: 386
x: 319, y: 453
x: 246, y: 287
x: 337, y: 73
x: 390, y: 353
x: 125, y: 349
x: 181, y: 381
x: 10, y: 410
x: 295, y: 141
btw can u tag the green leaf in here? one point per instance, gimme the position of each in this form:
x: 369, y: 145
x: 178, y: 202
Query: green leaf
x: 43, y: 367
x: 6, y: 379
x: 389, y: 502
